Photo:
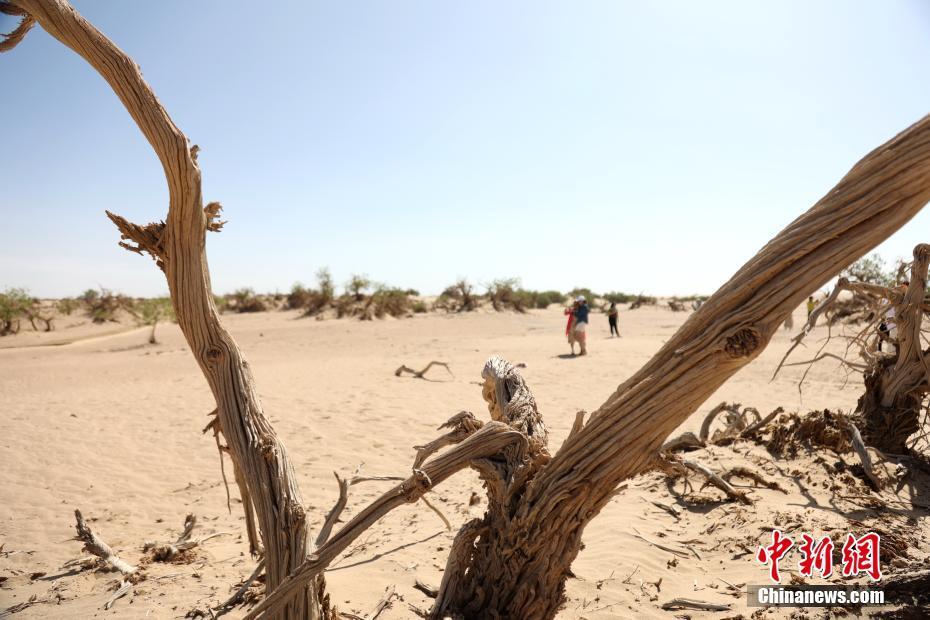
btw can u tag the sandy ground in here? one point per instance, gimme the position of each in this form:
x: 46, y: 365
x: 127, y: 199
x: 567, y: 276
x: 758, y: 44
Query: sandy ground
x: 112, y: 426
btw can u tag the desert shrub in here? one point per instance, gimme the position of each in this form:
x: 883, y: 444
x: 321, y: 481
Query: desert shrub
x: 298, y: 297
x: 642, y: 300
x: 617, y: 297
x: 14, y: 304
x: 67, y: 305
x: 412, y: 292
x: 101, y: 306
x: 459, y: 297
x: 357, y: 285
x: 313, y: 301
x: 391, y: 301
x: 151, y: 311
x: 89, y: 295
x: 586, y: 292
x: 543, y: 299
x: 344, y: 305
x: 221, y: 303
x: 245, y: 300
x: 324, y: 282
x: 505, y: 293
x: 419, y: 307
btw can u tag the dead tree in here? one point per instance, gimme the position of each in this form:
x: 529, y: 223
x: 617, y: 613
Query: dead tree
x: 178, y: 247
x: 512, y: 563
x: 897, y: 379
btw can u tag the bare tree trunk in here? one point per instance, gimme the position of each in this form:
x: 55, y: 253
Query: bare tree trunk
x: 518, y: 569
x: 895, y: 387
x: 178, y: 247
x: 513, y: 563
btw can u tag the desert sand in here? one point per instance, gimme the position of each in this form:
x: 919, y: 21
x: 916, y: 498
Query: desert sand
x: 112, y: 425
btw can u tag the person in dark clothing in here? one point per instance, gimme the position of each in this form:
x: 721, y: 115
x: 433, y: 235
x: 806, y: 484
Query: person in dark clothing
x: 612, y: 315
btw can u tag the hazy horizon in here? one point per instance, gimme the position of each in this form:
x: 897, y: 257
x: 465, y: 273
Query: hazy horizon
x: 636, y: 147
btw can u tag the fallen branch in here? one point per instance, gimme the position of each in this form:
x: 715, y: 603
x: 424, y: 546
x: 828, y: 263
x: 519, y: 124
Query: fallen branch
x: 123, y: 590
x: 717, y: 481
x: 759, y: 425
x: 680, y: 553
x: 864, y: 458
x: 226, y: 606
x: 163, y: 552
x: 418, y: 374
x: 688, y: 603
x: 709, y: 418
x: 668, y: 508
x: 745, y: 472
x: 685, y: 441
x: 384, y: 603
x: 96, y: 546
x: 425, y: 588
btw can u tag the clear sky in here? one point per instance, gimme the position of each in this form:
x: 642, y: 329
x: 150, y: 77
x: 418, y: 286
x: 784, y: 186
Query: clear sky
x: 634, y: 146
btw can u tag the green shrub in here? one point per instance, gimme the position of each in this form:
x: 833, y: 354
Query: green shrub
x: 419, y: 307
x: 459, y: 297
x: 357, y: 285
x: 504, y: 293
x: 14, y: 304
x: 298, y: 297
x: 391, y: 301
x: 67, y: 305
x: 619, y: 298
x: 151, y: 311
x: 324, y: 282
x: 871, y: 269
x: 543, y: 299
x: 586, y: 292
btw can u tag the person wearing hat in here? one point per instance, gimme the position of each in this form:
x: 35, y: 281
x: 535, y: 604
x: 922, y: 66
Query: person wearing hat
x: 581, y: 324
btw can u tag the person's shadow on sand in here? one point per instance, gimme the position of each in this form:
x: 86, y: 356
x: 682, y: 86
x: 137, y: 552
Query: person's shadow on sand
x: 567, y: 356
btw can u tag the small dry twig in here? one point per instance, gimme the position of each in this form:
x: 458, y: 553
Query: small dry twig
x: 418, y: 374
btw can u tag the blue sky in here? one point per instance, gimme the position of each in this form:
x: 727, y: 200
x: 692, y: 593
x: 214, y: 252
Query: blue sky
x: 626, y: 146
